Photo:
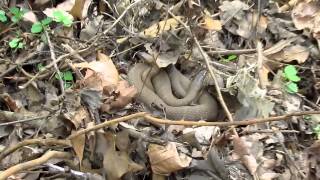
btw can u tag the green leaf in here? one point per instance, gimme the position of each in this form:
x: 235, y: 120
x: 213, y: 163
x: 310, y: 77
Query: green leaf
x: 3, y: 17
x: 67, y: 76
x: 62, y: 17
x: 58, y: 16
x: 14, y: 42
x: 46, y: 21
x: 290, y: 72
x: 36, y: 27
x: 232, y: 57
x: 294, y: 78
x: 292, y: 87
x: 14, y: 19
x: 14, y: 10
x: 20, y: 45
x: 40, y: 67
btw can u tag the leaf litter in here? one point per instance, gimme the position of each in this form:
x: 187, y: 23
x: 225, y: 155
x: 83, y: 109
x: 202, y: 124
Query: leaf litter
x: 47, y: 132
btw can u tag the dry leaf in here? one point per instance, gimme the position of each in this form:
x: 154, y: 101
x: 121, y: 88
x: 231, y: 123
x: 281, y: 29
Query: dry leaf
x: 124, y: 95
x: 156, y: 29
x: 77, y: 9
x: 117, y: 163
x: 211, y: 24
x: 291, y: 53
x: 303, y: 15
x: 103, y: 71
x: 78, y: 146
x: 241, y: 149
x: 166, y: 159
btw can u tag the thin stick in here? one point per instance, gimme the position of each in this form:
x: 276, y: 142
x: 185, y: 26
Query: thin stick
x: 149, y: 118
x: 36, y: 162
x: 24, y: 120
x: 20, y: 60
x: 54, y: 61
x: 44, y: 142
x: 228, y: 52
x: 260, y: 65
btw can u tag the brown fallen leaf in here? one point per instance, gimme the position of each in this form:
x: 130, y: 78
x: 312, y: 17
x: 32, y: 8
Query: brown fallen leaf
x: 241, y: 149
x: 78, y: 146
x: 116, y: 163
x: 303, y: 15
x: 124, y: 94
x: 80, y: 8
x: 156, y: 29
x: 211, y: 24
x: 100, y: 73
x: 166, y: 159
x: 291, y: 53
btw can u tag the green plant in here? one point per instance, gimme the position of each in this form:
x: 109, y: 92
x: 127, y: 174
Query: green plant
x: 17, y: 14
x: 16, y: 43
x: 290, y: 75
x: 62, y: 17
x: 67, y: 77
x: 3, y: 17
x: 316, y: 130
x: 38, y: 27
x: 229, y: 58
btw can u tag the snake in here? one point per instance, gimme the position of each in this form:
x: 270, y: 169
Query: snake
x: 173, y: 93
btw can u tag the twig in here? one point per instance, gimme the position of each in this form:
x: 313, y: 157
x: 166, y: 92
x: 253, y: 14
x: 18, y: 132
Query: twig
x: 20, y: 60
x: 260, y: 65
x: 149, y: 118
x: 45, y: 142
x: 36, y: 162
x: 228, y: 52
x: 24, y: 120
x: 54, y: 61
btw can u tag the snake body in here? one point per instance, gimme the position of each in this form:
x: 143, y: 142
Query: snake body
x: 155, y: 91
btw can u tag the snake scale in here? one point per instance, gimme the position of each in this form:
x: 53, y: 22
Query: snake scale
x: 155, y: 89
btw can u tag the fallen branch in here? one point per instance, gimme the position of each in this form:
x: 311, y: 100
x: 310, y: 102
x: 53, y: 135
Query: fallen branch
x: 36, y: 162
x: 44, y: 142
x: 147, y: 117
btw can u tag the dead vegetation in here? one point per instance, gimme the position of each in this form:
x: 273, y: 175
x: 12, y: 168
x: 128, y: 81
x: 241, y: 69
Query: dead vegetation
x: 155, y: 89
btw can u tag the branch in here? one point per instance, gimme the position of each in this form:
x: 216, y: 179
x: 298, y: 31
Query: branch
x: 44, y: 142
x: 149, y: 118
x: 36, y: 162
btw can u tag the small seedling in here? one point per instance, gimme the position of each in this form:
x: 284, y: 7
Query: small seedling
x: 316, y: 130
x: 17, y: 14
x: 230, y: 58
x: 66, y: 77
x: 16, y: 43
x: 3, y: 17
x: 290, y: 75
x: 38, y: 27
x: 62, y: 17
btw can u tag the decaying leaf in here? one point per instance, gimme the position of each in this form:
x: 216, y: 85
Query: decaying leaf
x: 103, y: 71
x: 246, y: 157
x: 165, y: 25
x: 291, y: 53
x: 211, y: 24
x: 117, y: 163
x: 166, y: 159
x: 78, y: 144
x: 123, y: 96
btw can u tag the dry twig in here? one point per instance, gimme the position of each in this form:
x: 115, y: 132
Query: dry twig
x: 44, y: 142
x: 149, y: 118
x: 36, y: 162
